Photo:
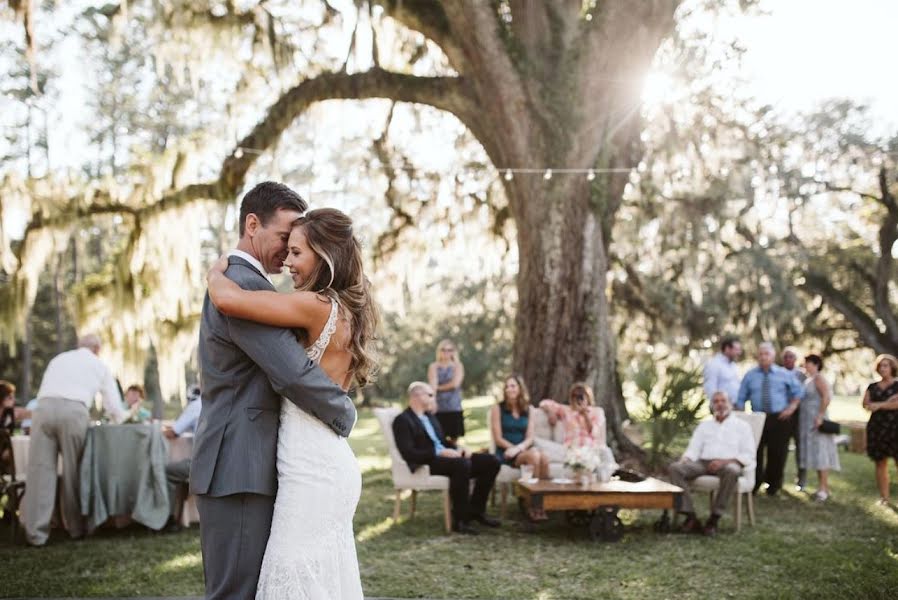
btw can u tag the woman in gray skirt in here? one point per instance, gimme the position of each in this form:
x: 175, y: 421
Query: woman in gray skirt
x: 818, y: 450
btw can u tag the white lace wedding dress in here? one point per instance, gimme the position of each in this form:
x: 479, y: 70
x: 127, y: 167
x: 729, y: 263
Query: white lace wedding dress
x: 311, y: 550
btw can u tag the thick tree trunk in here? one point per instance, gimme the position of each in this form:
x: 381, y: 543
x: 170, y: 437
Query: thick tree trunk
x: 563, y: 332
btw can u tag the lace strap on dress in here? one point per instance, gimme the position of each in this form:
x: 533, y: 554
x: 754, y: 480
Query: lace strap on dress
x: 316, y: 350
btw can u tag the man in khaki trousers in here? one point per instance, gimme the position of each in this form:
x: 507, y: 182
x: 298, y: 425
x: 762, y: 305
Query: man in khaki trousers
x: 722, y: 446
x: 59, y: 425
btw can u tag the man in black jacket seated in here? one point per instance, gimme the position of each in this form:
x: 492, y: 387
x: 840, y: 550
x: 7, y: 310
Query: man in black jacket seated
x: 421, y: 442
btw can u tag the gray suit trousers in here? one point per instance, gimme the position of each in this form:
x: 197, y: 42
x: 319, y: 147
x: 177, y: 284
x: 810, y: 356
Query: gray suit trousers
x: 233, y: 533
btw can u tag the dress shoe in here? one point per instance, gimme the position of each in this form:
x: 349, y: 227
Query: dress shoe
x: 485, y: 520
x: 710, y: 528
x: 691, y: 525
x: 465, y: 528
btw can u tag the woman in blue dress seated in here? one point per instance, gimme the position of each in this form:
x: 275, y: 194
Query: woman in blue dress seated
x: 512, y: 429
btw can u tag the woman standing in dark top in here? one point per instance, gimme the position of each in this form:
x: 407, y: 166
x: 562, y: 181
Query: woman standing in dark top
x: 445, y: 375
x: 881, y: 399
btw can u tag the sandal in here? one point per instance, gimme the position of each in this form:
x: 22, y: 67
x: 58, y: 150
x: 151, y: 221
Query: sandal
x: 537, y: 515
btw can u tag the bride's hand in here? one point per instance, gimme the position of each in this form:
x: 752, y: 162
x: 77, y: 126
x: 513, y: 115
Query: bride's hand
x: 218, y: 267
x: 218, y: 284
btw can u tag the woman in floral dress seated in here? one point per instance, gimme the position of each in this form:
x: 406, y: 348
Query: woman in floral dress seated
x: 584, y: 430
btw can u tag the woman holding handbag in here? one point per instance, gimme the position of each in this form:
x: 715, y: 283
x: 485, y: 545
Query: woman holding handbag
x: 818, y: 446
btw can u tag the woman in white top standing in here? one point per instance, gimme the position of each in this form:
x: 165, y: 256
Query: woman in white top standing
x: 311, y: 549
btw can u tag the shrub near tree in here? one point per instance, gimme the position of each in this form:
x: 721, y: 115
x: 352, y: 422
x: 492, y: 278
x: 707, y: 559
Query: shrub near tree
x: 672, y: 406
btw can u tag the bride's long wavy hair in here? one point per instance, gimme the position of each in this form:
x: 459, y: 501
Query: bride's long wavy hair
x: 340, y: 275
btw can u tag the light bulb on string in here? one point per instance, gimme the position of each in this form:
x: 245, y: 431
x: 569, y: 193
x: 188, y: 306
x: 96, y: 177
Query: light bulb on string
x: 238, y: 153
x: 508, y: 175
x: 590, y: 175
x: 548, y: 175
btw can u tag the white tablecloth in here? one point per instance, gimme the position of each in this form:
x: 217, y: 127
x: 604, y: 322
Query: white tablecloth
x: 178, y: 449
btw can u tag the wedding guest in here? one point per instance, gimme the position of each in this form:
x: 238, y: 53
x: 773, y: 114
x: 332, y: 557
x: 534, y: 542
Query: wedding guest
x: 70, y: 383
x: 445, y: 375
x: 7, y: 406
x: 721, y: 373
x: 721, y: 446
x: 584, y: 422
x: 134, y: 397
x: 881, y: 399
x: 512, y: 432
x: 177, y: 473
x: 818, y: 450
x: 420, y: 440
x: 512, y: 429
x: 775, y: 391
x: 790, y: 363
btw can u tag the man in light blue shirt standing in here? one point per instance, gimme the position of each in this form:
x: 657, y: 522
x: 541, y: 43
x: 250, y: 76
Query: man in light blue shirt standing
x: 721, y: 373
x: 773, y: 390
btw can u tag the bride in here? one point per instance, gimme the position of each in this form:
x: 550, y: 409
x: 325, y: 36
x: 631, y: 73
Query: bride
x: 311, y: 550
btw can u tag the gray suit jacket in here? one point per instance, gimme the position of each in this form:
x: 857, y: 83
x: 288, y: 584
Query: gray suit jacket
x: 246, y: 367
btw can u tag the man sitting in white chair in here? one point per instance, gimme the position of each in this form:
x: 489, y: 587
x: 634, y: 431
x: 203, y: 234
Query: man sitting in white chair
x: 420, y: 441
x: 722, y: 446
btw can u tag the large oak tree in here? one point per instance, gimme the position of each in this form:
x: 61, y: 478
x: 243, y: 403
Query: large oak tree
x: 539, y: 84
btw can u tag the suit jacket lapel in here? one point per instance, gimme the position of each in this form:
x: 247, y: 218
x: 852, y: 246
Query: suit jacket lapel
x: 236, y: 260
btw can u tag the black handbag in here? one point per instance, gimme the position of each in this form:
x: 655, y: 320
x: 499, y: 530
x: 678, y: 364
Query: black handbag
x: 828, y: 426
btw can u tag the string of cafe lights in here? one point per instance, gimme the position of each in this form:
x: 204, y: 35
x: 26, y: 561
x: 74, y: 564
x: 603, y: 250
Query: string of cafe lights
x: 507, y: 173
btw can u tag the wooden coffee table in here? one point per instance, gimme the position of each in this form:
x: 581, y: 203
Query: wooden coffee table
x: 596, y: 505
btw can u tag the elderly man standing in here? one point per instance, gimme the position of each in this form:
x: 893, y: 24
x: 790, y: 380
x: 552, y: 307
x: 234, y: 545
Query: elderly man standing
x: 721, y: 373
x: 721, y: 446
x: 420, y: 441
x: 790, y: 363
x: 59, y: 425
x: 773, y: 390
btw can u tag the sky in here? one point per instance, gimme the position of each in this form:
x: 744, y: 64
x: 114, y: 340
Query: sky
x: 808, y: 50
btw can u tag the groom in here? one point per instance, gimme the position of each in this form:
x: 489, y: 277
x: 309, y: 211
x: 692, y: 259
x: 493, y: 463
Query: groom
x: 246, y: 367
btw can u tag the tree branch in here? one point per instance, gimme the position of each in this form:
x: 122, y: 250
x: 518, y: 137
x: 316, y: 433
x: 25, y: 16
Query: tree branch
x: 618, y: 41
x: 888, y: 233
x: 837, y: 188
x: 428, y: 18
x: 445, y: 93
x: 819, y: 284
x: 475, y: 25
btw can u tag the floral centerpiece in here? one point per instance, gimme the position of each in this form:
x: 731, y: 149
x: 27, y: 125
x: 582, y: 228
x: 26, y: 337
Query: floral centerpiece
x: 583, y: 461
x: 590, y: 462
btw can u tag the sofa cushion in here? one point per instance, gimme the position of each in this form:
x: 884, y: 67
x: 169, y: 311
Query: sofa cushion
x: 542, y: 429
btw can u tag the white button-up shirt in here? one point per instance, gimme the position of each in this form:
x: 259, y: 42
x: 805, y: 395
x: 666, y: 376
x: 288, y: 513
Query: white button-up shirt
x: 79, y: 375
x: 731, y: 438
x: 721, y: 375
x: 251, y: 260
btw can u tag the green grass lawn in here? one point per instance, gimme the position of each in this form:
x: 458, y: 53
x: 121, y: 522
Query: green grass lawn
x: 847, y: 548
